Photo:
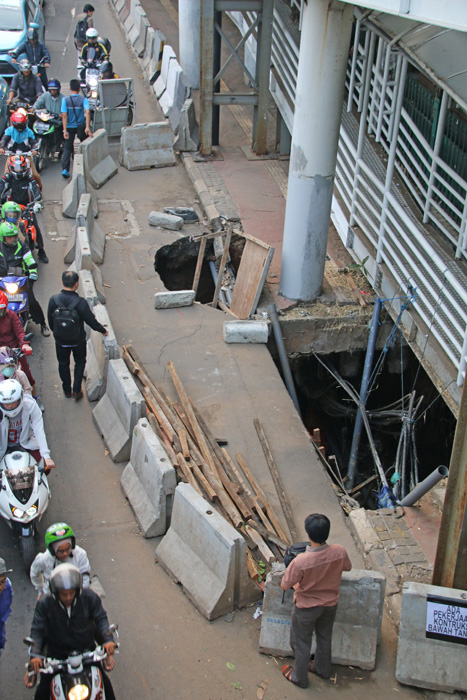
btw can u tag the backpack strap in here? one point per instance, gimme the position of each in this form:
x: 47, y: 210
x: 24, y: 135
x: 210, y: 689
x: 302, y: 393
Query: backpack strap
x: 59, y: 302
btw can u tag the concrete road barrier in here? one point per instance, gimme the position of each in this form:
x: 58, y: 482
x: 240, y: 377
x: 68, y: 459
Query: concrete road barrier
x: 100, y: 349
x: 357, y: 627
x: 246, y: 331
x: 173, y: 98
x: 147, y: 146
x: 172, y: 300
x: 75, y: 188
x: 132, y: 17
x: 83, y: 255
x: 149, y: 481
x: 99, y: 166
x: 119, y: 410
x: 427, y: 662
x: 152, y: 61
x: 87, y: 289
x: 188, y: 129
x: 206, y: 555
x: 139, y: 42
x: 168, y: 55
x: 96, y: 236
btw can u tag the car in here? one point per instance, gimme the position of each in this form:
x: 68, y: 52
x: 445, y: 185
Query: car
x: 15, y: 18
x: 3, y: 105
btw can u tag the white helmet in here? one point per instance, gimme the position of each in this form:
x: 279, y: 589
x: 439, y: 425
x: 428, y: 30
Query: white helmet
x: 11, y: 391
x: 92, y: 33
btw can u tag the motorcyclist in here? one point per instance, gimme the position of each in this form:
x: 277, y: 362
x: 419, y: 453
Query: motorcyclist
x: 12, y: 335
x: 93, y: 52
x: 11, y: 213
x: 18, y: 137
x: 25, y: 86
x: 68, y: 619
x: 61, y: 547
x: 9, y: 369
x: 106, y: 70
x: 22, y: 426
x: 35, y: 53
x: 23, y: 189
x: 52, y: 102
x: 13, y: 253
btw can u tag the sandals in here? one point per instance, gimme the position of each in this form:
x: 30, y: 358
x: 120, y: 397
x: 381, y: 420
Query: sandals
x: 287, y: 673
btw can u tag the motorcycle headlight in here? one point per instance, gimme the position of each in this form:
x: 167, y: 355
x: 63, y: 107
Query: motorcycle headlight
x: 17, y: 512
x: 92, y: 82
x: 11, y: 287
x: 78, y: 692
x: 94, y: 94
x: 31, y: 512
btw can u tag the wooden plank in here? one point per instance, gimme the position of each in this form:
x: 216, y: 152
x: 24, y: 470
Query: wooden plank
x: 264, y: 532
x: 188, y: 474
x: 250, y: 278
x: 183, y: 437
x: 225, y: 308
x: 220, y: 273
x: 199, y: 264
x: 261, y: 544
x: 277, y: 480
x: 204, y: 483
x: 216, y: 449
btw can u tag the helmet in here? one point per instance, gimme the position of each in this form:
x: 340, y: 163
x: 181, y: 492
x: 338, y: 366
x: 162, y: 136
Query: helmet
x: 11, y: 392
x: 11, y: 212
x: 57, y: 533
x: 65, y: 577
x: 92, y: 34
x: 32, y: 33
x: 24, y: 64
x: 18, y: 166
x: 8, y: 230
x: 19, y: 120
x: 3, y: 300
x: 54, y: 84
x: 8, y: 362
x: 105, y: 42
x: 106, y: 67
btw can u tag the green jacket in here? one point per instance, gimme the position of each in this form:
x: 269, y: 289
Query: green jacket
x: 17, y: 256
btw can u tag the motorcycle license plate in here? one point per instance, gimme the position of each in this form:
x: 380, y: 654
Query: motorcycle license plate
x: 15, y: 297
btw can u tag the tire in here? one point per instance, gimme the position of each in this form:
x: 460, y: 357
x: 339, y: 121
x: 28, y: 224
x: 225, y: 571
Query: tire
x: 29, y: 551
x: 129, y: 121
x: 40, y: 159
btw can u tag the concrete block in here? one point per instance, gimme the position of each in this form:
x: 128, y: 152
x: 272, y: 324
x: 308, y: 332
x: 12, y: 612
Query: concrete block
x: 246, y: 331
x: 83, y: 256
x: 174, y: 95
x: 172, y: 300
x: 149, y: 481
x: 99, y: 166
x: 147, y: 146
x: 85, y: 217
x: 139, y: 42
x: 87, y: 288
x: 168, y: 55
x: 153, y: 61
x: 70, y: 249
x: 119, y: 5
x: 358, y: 621
x: 188, y: 129
x: 75, y: 188
x: 97, y: 279
x: 119, y: 410
x: 206, y: 555
x: 436, y: 664
x: 187, y: 213
x: 160, y: 218
x: 138, y: 14
x: 100, y: 349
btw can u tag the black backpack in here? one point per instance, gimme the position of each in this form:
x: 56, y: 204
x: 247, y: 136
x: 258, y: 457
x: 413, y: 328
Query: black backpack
x: 81, y: 29
x: 292, y: 551
x: 67, y: 322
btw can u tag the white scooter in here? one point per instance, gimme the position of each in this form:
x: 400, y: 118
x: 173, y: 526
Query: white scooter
x: 24, y: 497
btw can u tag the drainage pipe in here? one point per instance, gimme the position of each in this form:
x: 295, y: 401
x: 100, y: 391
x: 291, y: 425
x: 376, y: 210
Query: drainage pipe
x: 357, y: 433
x: 284, y: 360
x: 420, y: 490
x: 214, y: 274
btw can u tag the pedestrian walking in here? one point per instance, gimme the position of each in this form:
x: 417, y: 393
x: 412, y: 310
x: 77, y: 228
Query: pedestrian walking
x: 76, y: 120
x: 84, y: 21
x: 67, y: 313
x: 315, y: 575
x: 6, y: 596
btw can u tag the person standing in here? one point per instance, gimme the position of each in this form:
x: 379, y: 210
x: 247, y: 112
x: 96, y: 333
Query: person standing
x: 67, y: 313
x: 6, y: 596
x: 76, y: 120
x: 84, y: 22
x: 315, y: 575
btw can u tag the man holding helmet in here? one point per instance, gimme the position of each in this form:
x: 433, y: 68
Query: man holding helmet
x: 35, y: 53
x: 68, y: 619
x: 25, y: 86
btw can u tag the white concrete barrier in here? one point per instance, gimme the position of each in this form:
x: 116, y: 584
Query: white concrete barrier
x: 83, y: 255
x: 100, y: 349
x: 76, y: 187
x: 138, y: 14
x: 87, y: 289
x: 206, y: 555
x: 357, y: 626
x: 133, y: 16
x: 119, y: 410
x: 168, y: 55
x: 96, y: 236
x: 188, y: 129
x: 149, y: 481
x: 147, y: 146
x: 172, y: 300
x: 99, y: 165
x: 246, y: 331
x: 173, y: 98
x: 139, y: 39
x: 432, y: 636
x: 152, y: 61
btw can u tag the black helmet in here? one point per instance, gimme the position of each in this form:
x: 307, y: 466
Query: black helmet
x: 66, y: 577
x: 106, y: 67
x: 32, y: 33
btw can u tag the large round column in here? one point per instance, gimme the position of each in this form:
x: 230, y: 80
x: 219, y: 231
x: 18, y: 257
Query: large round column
x: 188, y: 33
x: 324, y: 49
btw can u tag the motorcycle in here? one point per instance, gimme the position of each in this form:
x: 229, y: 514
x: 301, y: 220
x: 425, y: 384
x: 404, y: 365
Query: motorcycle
x: 24, y: 497
x: 27, y: 218
x: 77, y: 677
x: 15, y: 286
x: 46, y: 127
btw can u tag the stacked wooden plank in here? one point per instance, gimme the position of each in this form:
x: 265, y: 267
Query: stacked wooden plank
x: 199, y: 460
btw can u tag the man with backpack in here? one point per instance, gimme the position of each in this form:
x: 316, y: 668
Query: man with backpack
x: 76, y: 120
x: 84, y: 23
x: 67, y: 313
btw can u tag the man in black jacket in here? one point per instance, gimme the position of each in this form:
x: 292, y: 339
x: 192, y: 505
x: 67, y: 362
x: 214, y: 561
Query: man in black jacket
x: 68, y: 329
x: 69, y: 619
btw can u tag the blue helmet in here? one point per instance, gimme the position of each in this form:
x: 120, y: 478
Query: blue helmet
x: 54, y: 84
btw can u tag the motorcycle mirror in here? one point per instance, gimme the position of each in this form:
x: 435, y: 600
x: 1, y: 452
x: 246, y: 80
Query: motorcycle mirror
x: 28, y: 337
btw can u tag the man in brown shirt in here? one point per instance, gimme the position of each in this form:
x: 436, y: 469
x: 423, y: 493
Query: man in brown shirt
x: 315, y: 575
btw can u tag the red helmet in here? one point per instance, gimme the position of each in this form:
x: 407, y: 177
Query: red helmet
x: 19, y: 120
x: 3, y: 300
x: 18, y: 166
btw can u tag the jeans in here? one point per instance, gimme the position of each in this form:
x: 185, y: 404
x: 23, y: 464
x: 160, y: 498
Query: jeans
x: 68, y: 148
x: 304, y: 621
x: 63, y: 357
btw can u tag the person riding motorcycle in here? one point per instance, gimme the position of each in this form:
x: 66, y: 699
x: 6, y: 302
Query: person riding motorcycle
x: 69, y: 619
x: 61, y: 547
x: 52, y: 102
x: 23, y: 188
x: 35, y: 53
x: 13, y: 336
x: 18, y: 137
x: 93, y: 52
x: 25, y: 86
x: 9, y: 369
x: 106, y: 71
x: 13, y: 253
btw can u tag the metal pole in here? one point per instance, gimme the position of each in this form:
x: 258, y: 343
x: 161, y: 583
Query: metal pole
x: 452, y: 539
x: 424, y: 486
x: 284, y: 360
x: 263, y: 66
x: 189, y: 35
x: 357, y: 433
x: 215, y: 71
x: 206, y: 76
x: 436, y: 149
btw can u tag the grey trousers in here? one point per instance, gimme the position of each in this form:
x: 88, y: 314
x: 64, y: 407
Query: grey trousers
x: 304, y: 621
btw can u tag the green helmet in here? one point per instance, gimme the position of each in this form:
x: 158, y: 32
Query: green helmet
x: 10, y: 207
x: 58, y: 532
x: 7, y: 230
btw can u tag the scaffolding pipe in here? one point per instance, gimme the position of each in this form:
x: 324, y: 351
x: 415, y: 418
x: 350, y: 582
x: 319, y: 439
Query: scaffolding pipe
x: 421, y: 489
x: 215, y: 275
x: 284, y: 360
x: 357, y: 433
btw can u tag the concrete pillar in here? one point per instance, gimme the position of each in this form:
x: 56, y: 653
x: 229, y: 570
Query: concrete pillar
x: 324, y: 49
x: 188, y: 32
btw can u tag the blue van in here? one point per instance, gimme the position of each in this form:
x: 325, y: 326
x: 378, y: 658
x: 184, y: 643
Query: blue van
x: 15, y: 18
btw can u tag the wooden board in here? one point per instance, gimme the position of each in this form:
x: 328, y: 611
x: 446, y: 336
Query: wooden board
x: 254, y: 266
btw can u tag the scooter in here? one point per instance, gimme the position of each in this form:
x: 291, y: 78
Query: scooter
x: 24, y: 497
x: 15, y: 286
x: 27, y: 218
x: 46, y: 129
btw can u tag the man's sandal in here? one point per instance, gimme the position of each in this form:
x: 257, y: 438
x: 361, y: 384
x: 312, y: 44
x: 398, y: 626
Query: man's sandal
x: 287, y: 673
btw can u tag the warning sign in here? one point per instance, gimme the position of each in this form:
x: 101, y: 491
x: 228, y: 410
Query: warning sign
x: 446, y: 619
